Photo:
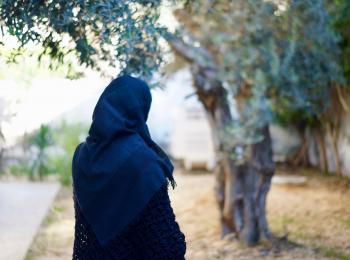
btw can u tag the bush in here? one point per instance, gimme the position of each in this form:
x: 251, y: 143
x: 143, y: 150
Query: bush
x: 50, y: 151
x: 67, y: 137
x: 38, y: 144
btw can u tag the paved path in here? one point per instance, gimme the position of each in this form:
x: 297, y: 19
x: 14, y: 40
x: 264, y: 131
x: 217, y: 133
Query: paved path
x: 22, y: 208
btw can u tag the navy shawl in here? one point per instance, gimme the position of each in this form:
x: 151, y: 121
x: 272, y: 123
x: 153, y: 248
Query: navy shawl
x: 118, y: 168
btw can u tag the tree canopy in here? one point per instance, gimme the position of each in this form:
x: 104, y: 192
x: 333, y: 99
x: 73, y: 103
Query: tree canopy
x: 341, y: 21
x: 276, y: 60
x: 273, y: 57
x: 100, y: 33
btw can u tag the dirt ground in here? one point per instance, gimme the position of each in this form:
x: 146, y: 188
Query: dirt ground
x: 311, y: 221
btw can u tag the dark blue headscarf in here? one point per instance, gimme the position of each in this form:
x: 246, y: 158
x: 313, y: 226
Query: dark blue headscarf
x: 119, y: 167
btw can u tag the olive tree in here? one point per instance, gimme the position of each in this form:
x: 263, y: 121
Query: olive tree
x: 254, y: 62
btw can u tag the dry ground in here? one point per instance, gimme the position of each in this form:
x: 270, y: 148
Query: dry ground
x: 315, y: 217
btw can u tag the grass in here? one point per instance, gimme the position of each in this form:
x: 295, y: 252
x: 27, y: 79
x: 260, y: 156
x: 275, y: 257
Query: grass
x: 333, y: 253
x: 346, y: 222
x: 325, y: 250
x: 286, y: 220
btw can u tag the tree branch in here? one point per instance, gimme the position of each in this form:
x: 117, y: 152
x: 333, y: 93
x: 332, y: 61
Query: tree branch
x: 192, y: 54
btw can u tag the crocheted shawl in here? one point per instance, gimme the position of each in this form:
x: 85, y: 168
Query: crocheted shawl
x: 118, y: 168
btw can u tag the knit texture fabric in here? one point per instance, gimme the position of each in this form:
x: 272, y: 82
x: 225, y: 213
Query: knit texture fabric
x: 153, y: 234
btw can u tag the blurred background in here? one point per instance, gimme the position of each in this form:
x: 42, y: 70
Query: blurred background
x: 250, y: 99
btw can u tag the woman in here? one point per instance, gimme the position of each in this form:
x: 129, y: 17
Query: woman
x: 120, y: 182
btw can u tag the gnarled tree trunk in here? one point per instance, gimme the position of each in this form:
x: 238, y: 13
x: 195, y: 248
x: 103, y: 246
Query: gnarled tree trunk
x: 241, y: 190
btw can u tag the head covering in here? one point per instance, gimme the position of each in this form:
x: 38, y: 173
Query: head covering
x: 118, y: 168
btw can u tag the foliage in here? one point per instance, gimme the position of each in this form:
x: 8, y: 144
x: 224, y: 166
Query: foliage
x: 50, y: 151
x: 38, y: 144
x: 341, y: 22
x: 99, y: 33
x: 20, y: 169
x: 61, y: 166
x: 277, y: 59
x: 67, y: 137
x: 19, y: 70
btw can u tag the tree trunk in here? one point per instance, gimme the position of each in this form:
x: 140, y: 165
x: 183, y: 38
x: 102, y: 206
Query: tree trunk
x: 241, y: 190
x: 332, y: 128
x: 301, y: 157
x: 321, y: 147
